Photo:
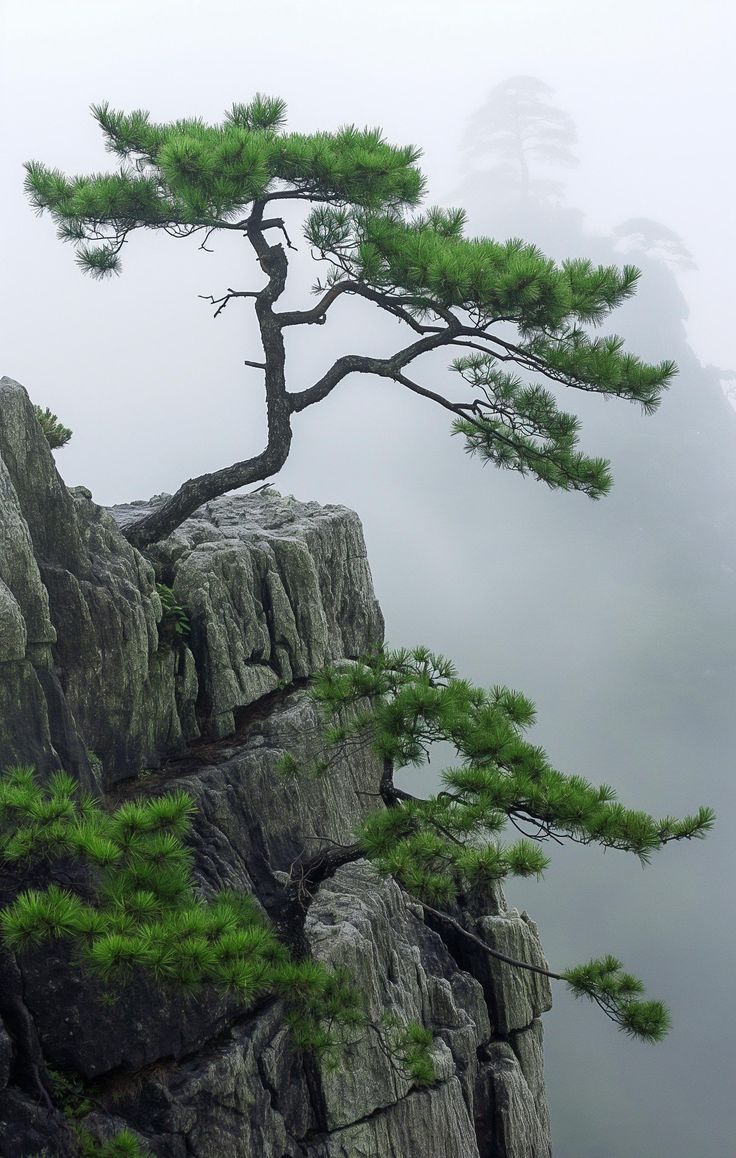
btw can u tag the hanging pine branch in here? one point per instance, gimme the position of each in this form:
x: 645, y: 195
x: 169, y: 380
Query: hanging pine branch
x: 452, y: 844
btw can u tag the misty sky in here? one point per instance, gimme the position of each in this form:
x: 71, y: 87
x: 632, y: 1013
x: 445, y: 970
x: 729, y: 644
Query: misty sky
x: 618, y: 618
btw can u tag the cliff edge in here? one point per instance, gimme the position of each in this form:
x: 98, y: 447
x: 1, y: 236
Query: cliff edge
x: 273, y: 589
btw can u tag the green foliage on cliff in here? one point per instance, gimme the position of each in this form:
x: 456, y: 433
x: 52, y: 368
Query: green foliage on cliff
x: 123, y: 1145
x: 134, y: 905
x: 174, y: 626
x: 450, y: 844
x: 57, y: 435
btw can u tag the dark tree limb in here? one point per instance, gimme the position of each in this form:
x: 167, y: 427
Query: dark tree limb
x: 281, y: 403
x: 363, y: 364
x: 227, y: 298
x: 443, y: 918
x: 397, y: 306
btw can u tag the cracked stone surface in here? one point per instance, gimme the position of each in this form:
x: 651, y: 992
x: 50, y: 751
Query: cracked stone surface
x: 274, y: 588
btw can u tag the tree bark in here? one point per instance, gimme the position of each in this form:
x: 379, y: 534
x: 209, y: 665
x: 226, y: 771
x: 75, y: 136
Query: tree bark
x: 164, y: 519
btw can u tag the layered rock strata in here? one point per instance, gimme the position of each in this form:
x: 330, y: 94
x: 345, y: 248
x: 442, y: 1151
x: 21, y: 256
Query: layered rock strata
x: 273, y: 589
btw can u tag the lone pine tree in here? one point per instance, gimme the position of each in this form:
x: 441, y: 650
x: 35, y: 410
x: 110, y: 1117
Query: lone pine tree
x: 513, y: 319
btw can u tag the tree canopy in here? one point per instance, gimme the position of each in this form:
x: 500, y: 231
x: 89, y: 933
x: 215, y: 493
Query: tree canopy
x: 514, y: 321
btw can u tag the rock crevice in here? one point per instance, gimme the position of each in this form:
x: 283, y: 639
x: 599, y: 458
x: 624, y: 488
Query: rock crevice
x: 273, y: 589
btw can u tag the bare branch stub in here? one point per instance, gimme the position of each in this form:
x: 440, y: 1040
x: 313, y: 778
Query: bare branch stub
x: 222, y: 302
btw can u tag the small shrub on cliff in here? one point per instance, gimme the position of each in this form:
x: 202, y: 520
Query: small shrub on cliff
x: 135, y: 906
x: 448, y: 845
x: 123, y: 1145
x: 174, y: 626
x: 57, y: 435
x: 69, y: 1093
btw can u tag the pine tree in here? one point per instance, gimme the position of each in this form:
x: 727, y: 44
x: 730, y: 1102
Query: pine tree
x: 513, y: 320
x: 516, y: 129
x: 449, y: 846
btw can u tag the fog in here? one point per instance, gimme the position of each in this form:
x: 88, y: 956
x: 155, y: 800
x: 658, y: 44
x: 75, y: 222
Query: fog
x: 617, y: 617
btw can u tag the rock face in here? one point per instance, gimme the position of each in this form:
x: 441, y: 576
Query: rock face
x: 273, y: 589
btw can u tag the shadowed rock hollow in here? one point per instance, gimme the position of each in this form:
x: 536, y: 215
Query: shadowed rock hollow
x: 274, y: 588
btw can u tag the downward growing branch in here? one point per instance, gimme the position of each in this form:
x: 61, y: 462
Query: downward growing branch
x: 445, y: 919
x: 327, y: 861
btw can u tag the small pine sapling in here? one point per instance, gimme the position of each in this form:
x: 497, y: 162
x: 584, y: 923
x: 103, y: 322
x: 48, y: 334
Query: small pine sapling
x: 57, y: 435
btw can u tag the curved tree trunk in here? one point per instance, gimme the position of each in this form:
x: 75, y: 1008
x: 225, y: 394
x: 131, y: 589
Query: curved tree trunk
x: 164, y: 519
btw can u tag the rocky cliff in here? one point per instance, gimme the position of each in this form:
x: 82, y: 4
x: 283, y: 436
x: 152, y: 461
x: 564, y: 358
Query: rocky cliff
x: 273, y: 589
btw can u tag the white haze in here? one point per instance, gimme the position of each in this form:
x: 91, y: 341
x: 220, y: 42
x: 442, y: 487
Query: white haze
x: 618, y: 617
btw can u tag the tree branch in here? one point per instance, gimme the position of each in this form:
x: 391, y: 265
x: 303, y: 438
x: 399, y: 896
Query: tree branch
x: 445, y: 919
x: 392, y: 305
x: 223, y: 301
x: 363, y: 364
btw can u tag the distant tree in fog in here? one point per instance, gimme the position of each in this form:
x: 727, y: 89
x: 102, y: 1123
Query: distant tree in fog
x: 515, y: 132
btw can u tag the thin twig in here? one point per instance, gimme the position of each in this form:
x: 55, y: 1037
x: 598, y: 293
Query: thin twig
x: 447, y: 919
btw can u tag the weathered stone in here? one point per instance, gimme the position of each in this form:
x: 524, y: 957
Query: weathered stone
x: 361, y: 923
x: 528, y: 1045
x: 515, y: 996
x: 252, y: 825
x: 18, y: 566
x: 30, y: 1130
x: 13, y: 634
x: 91, y: 595
x: 46, y: 504
x: 432, y: 1122
x: 274, y: 588
x: 517, y: 1130
x: 245, y: 1097
x: 25, y: 737
x: 6, y: 1055
x: 93, y: 1029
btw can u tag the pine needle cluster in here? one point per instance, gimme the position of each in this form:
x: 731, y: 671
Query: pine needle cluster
x: 450, y: 844
x: 174, y: 626
x: 136, y: 906
x: 188, y: 174
x: 124, y: 1144
x: 57, y: 435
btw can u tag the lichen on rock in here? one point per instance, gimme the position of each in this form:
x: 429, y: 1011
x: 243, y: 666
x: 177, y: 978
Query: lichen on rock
x: 273, y: 588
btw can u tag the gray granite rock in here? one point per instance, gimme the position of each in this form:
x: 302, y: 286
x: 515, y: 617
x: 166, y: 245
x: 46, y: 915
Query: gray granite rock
x: 528, y: 1045
x: 6, y: 1055
x: 90, y: 611
x: 361, y: 923
x: 252, y: 824
x: 274, y: 588
x: 13, y: 631
x: 245, y: 1096
x: 518, y: 1129
x: 431, y: 1123
x: 515, y: 996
